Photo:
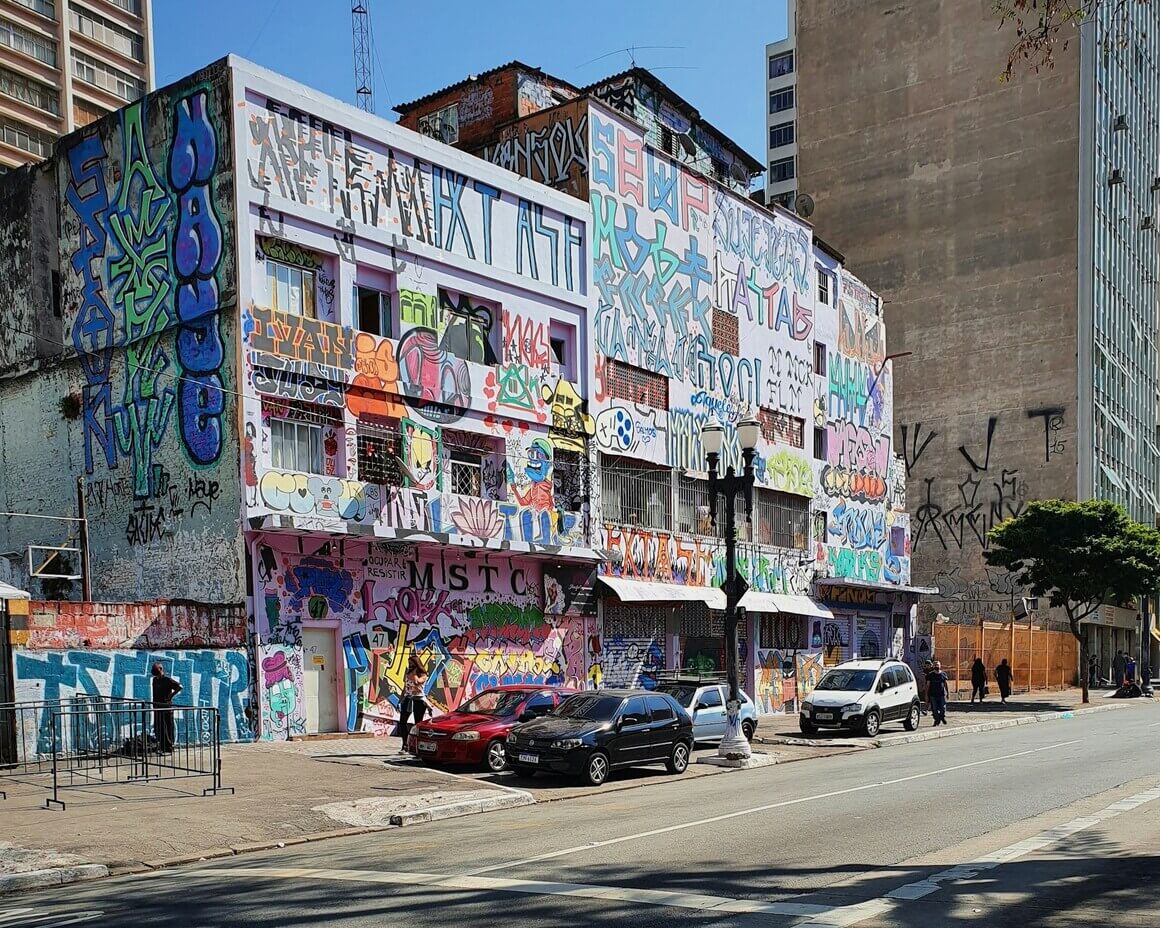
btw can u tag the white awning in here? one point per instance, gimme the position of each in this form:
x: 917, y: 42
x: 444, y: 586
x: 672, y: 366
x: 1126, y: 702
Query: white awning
x: 784, y: 602
x: 642, y: 591
x: 10, y: 592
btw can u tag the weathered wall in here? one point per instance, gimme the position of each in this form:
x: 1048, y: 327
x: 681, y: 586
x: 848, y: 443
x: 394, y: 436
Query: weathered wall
x: 140, y: 402
x: 476, y: 623
x: 550, y: 147
x: 956, y: 196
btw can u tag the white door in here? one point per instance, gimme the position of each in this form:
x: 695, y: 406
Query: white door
x: 321, y: 673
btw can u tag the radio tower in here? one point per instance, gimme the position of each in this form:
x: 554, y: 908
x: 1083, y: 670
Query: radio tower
x: 364, y: 87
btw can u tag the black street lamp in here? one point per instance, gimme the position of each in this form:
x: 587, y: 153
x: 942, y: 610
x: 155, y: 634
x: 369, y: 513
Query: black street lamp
x: 734, y: 746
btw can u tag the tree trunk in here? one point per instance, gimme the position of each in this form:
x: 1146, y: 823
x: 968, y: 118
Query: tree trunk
x: 1083, y: 658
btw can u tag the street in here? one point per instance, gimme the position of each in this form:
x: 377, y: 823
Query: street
x: 1041, y: 825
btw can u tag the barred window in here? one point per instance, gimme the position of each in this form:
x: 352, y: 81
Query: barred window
x: 725, y: 336
x: 636, y: 385
x: 569, y: 486
x: 696, y: 510
x: 636, y: 493
x: 780, y: 519
x: 781, y: 427
x: 378, y: 452
x: 466, y: 472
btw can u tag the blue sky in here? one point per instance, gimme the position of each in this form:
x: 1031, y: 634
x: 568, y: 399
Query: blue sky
x: 717, y: 62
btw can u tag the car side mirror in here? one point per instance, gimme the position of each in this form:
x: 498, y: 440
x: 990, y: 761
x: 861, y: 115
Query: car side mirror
x: 883, y: 686
x: 619, y: 723
x: 527, y: 715
x: 701, y: 705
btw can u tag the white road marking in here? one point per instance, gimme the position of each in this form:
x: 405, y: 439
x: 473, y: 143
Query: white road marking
x: 25, y: 918
x: 756, y: 809
x: 844, y: 916
x: 677, y: 900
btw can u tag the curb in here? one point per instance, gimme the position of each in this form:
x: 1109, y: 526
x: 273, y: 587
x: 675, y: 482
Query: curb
x: 53, y: 876
x: 947, y: 732
x: 510, y: 800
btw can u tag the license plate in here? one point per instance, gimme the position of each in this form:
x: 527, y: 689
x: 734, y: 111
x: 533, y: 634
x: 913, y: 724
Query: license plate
x: 427, y: 746
x: 824, y: 716
x: 528, y: 758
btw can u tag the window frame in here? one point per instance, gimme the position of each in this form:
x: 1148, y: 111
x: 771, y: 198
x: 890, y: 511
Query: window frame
x: 459, y: 458
x: 273, y: 284
x: 782, y: 93
x: 716, y: 691
x: 779, y: 58
x: 277, y: 449
x: 825, y: 291
x: 626, y: 710
x: 658, y: 703
x: 782, y: 128
x: 777, y: 176
x: 386, y: 328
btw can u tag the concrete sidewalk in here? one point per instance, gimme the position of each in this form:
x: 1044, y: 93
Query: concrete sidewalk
x: 963, y: 717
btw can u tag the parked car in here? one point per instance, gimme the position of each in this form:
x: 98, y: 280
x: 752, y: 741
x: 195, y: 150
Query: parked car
x: 476, y: 733
x: 592, y: 734
x: 860, y: 696
x: 705, y: 703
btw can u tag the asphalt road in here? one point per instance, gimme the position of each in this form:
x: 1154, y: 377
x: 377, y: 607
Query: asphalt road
x: 1026, y: 825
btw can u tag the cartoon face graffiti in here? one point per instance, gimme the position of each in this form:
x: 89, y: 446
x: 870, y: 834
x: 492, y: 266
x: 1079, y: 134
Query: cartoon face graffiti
x: 571, y: 424
x: 539, y: 461
x: 281, y: 694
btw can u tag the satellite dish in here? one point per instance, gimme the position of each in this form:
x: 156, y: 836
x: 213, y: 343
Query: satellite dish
x: 739, y: 173
x: 804, y: 204
x: 687, y: 143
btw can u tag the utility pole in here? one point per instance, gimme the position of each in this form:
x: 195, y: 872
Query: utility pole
x: 86, y: 580
x: 364, y: 84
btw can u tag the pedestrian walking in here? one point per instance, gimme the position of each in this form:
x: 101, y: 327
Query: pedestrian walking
x: 978, y: 679
x: 938, y: 691
x: 1093, y: 671
x: 414, y: 702
x: 1003, y: 678
x: 1119, y: 664
x: 924, y: 686
x: 164, y: 689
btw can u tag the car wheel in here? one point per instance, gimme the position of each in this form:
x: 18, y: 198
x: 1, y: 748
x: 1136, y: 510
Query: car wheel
x: 747, y: 729
x: 872, y: 723
x: 496, y: 758
x: 808, y: 728
x: 596, y: 770
x: 679, y: 760
x: 911, y: 722
x: 521, y: 771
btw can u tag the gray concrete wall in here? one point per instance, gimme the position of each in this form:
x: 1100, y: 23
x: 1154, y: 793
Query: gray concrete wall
x: 955, y: 196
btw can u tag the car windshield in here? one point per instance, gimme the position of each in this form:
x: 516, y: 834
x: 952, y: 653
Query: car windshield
x: 839, y: 679
x: 499, y: 703
x: 682, y: 694
x: 594, y: 708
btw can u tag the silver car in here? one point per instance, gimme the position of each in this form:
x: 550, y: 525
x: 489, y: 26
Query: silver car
x: 705, y: 702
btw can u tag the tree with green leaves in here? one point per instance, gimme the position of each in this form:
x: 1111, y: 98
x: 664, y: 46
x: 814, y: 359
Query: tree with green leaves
x: 1079, y: 556
x: 1043, y: 26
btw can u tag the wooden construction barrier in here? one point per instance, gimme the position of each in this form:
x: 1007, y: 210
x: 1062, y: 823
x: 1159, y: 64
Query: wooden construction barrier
x: 1040, y: 658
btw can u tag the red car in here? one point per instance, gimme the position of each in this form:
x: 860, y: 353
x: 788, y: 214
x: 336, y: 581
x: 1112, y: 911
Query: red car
x: 476, y: 733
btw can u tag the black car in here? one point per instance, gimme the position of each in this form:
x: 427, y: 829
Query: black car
x: 591, y: 734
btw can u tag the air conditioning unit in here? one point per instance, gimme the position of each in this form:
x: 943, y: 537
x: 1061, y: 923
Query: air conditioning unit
x: 1121, y: 123
x: 1116, y: 178
x: 1146, y: 223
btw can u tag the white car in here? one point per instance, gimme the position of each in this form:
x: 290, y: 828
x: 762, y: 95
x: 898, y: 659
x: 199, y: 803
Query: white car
x: 861, y: 696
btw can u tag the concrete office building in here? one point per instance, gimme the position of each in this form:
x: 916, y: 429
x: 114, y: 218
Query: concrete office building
x: 1011, y: 230
x: 64, y: 64
x: 781, y: 114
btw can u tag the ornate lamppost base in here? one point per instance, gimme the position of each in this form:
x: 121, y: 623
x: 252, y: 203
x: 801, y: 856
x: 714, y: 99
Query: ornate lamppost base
x: 739, y: 763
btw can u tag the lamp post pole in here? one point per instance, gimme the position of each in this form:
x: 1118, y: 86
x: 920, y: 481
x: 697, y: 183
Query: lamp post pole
x: 734, y: 746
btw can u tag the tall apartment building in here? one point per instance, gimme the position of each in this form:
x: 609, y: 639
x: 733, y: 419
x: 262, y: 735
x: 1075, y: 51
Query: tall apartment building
x: 1012, y: 229
x: 63, y: 64
x: 781, y: 114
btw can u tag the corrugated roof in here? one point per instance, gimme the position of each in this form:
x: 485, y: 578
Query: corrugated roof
x: 404, y: 108
x: 644, y: 74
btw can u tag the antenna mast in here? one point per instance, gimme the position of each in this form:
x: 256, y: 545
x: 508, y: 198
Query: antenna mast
x: 364, y: 88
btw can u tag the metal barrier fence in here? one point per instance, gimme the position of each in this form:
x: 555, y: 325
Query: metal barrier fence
x: 102, y: 741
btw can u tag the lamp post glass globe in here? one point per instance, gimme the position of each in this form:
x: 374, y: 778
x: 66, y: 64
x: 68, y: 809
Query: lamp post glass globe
x: 712, y: 436
x: 748, y: 432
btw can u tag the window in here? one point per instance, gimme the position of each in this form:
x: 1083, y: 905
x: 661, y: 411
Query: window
x: 99, y: 74
x: 129, y: 6
x: 29, y: 91
x: 470, y: 326
x: 107, y: 33
x: 27, y: 139
x: 777, y: 426
x: 83, y: 114
x: 636, y: 493
x: 636, y: 385
x: 823, y: 287
x: 296, y: 446
x: 781, y: 170
x: 635, y: 711
x: 43, y: 7
x: 291, y: 288
x: 378, y: 453
x: 568, y: 485
x: 819, y: 359
x: 540, y: 704
x: 711, y: 698
x: 819, y: 443
x: 442, y: 125
x: 562, y: 343
x: 780, y: 519
x: 27, y: 42
x: 781, y: 100
x: 780, y: 65
x: 725, y: 337
x: 466, y: 472
x: 659, y: 709
x: 374, y: 310
x: 782, y: 134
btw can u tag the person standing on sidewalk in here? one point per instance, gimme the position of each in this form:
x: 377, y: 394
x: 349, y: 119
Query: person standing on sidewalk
x: 978, y: 679
x: 1119, y: 663
x: 938, y: 691
x: 414, y: 702
x: 1003, y: 678
x: 1093, y: 672
x: 164, y: 689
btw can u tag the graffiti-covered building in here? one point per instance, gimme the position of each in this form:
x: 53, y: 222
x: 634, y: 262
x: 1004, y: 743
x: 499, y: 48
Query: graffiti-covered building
x: 309, y: 365
x: 706, y: 304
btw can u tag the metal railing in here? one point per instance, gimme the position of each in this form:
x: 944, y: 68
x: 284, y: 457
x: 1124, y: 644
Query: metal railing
x: 89, y: 741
